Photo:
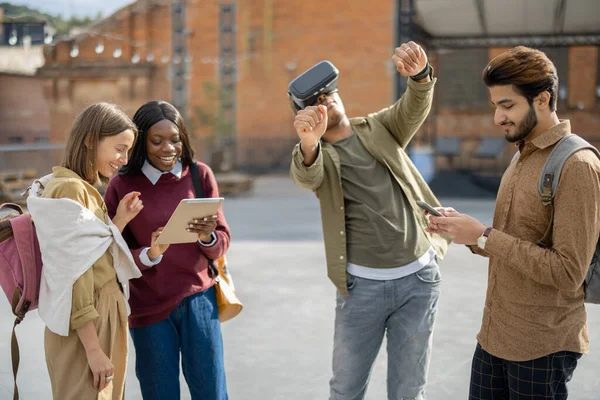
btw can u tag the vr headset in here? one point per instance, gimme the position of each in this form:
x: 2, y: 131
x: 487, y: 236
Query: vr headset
x: 305, y: 89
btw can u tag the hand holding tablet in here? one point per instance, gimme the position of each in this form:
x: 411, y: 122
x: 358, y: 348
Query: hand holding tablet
x: 203, y: 227
x: 178, y: 229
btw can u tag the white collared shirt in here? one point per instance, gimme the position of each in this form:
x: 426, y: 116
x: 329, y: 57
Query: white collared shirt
x: 153, y: 175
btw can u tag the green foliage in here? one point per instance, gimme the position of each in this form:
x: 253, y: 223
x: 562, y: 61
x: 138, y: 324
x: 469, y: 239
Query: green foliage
x: 62, y: 26
x: 211, y: 116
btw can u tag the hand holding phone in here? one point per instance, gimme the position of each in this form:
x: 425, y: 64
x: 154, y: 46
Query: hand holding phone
x: 429, y: 208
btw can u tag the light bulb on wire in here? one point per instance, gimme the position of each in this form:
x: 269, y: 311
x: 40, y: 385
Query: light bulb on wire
x: 117, y: 53
x: 74, y: 51
x: 13, y: 38
x: 99, y: 48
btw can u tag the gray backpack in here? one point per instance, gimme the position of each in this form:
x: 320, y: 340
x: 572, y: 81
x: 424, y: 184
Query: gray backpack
x: 547, y: 185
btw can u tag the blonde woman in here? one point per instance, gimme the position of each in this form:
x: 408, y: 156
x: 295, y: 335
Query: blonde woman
x: 87, y: 264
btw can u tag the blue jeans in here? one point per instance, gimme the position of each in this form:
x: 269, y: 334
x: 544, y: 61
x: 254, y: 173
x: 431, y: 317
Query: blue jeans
x: 405, y: 308
x: 193, y: 329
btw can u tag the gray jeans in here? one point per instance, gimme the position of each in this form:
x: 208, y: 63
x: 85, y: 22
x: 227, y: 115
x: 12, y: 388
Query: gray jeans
x: 406, y: 309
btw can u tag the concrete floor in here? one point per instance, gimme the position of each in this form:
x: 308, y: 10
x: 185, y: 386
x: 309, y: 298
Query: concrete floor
x: 279, y: 348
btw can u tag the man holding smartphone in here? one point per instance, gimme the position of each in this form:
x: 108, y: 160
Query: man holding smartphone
x: 379, y: 256
x: 534, y: 325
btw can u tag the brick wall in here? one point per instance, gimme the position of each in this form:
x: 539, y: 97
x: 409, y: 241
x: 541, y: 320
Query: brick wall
x: 277, y: 40
x: 73, y: 83
x: 583, y: 62
x: 577, y: 69
x: 23, y: 110
x: 283, y: 38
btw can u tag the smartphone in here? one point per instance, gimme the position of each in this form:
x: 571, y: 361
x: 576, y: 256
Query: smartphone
x: 428, y: 208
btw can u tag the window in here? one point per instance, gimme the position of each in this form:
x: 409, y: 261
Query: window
x: 461, y: 86
x: 560, y: 57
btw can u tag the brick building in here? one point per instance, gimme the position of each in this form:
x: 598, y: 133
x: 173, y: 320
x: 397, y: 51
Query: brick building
x: 23, y: 110
x: 227, y: 64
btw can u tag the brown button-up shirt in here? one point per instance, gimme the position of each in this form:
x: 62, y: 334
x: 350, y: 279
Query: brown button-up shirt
x: 534, y: 304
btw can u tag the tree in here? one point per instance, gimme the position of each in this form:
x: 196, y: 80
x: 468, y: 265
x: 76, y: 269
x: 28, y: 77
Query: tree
x: 211, y: 117
x: 62, y: 26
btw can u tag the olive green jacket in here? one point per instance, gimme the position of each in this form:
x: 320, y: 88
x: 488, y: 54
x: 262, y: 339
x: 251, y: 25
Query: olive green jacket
x: 385, y: 134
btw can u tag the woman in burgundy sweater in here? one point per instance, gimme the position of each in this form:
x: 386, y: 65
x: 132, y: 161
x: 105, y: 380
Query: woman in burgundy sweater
x: 173, y: 307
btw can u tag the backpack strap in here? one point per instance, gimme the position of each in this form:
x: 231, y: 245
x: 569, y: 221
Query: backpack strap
x: 564, y: 149
x: 14, y: 352
x: 198, y: 188
x: 14, y: 348
x: 12, y: 206
x: 550, y: 176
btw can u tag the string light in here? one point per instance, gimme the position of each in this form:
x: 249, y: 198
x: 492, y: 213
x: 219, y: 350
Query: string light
x: 116, y: 19
x: 74, y: 50
x: 12, y: 40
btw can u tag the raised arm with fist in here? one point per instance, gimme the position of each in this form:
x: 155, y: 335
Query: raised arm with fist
x: 311, y: 124
x: 410, y: 60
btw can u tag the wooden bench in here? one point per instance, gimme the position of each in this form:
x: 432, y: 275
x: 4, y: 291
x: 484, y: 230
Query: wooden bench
x: 13, y: 184
x: 233, y: 183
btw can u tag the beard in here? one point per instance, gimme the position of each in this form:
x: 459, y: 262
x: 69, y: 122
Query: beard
x: 335, y: 116
x: 525, y: 127
x: 334, y: 120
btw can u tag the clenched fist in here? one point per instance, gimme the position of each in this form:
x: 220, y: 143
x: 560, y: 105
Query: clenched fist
x: 311, y: 124
x: 409, y: 59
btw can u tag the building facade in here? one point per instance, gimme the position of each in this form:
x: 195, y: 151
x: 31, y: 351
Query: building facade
x: 227, y: 64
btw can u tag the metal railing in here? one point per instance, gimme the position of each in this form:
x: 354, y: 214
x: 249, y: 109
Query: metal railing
x: 38, y: 157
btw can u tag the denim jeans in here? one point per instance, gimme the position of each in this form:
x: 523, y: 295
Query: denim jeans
x: 405, y: 308
x: 193, y: 330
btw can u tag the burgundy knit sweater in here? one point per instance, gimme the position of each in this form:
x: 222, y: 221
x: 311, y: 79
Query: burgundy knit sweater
x: 183, y: 270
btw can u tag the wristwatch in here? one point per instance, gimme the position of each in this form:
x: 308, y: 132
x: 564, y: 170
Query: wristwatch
x: 481, y: 240
x: 423, y: 74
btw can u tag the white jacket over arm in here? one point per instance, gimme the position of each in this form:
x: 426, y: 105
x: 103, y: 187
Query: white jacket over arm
x: 72, y: 238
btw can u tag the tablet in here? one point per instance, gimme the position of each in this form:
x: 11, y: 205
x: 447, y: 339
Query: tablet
x: 188, y: 209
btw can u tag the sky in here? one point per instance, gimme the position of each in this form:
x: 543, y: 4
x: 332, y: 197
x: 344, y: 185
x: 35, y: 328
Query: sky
x: 80, y: 8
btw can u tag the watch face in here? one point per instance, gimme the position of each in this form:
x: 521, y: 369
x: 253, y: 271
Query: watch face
x: 481, y: 241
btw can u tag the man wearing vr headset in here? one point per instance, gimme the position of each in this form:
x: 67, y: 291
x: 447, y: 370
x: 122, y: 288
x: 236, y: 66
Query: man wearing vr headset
x: 379, y: 256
